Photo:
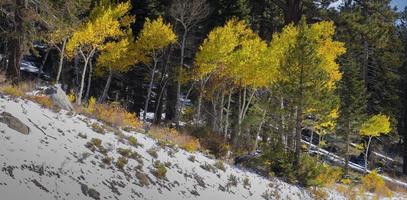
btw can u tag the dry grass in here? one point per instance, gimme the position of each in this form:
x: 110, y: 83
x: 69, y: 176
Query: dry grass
x: 16, y: 91
x: 44, y: 101
x: 112, y: 114
x: 172, y: 136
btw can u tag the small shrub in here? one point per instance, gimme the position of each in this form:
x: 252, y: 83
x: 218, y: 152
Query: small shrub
x: 119, y: 134
x: 121, y: 162
x: 191, y: 158
x: 44, y: 101
x: 373, y: 182
x: 114, y: 114
x: 83, y: 136
x: 160, y: 170
x: 96, y: 142
x: 71, y: 96
x: 153, y: 152
x: 208, y: 167
x: 170, y: 136
x: 232, y: 180
x: 97, y: 128
x: 280, y: 164
x: 12, y: 91
x: 328, y: 176
x: 107, y: 160
x: 215, y: 144
x: 219, y: 164
x: 319, y: 194
x: 313, y: 173
x: 133, y: 141
x: 168, y: 164
x: 347, y: 191
x: 124, y: 152
x: 143, y: 179
x: 91, y: 105
x: 246, y: 183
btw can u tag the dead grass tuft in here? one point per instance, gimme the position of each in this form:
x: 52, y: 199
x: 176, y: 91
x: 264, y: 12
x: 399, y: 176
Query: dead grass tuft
x: 171, y: 136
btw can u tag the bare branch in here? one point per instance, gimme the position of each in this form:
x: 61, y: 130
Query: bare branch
x: 189, y: 12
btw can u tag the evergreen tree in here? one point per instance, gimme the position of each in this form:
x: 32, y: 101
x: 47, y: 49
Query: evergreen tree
x: 353, y: 102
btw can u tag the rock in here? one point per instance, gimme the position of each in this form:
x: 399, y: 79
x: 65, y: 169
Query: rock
x: 14, y: 123
x: 59, y: 97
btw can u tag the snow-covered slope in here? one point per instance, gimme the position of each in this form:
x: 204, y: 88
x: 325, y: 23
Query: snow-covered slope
x: 52, y: 162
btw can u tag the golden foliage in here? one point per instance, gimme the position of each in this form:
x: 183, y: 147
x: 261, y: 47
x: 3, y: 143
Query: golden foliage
x: 376, y: 125
x: 93, y: 34
x: 112, y: 114
x: 155, y: 35
x: 373, y: 182
x: 172, y: 136
x: 330, y: 176
x: 12, y: 91
x: 44, y: 101
x: 71, y: 97
x: 91, y: 105
x: 287, y: 50
x: 235, y: 52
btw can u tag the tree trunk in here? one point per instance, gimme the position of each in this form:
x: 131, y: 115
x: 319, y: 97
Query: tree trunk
x: 198, y: 109
x: 347, y: 143
x: 259, y: 130
x: 215, y: 112
x: 226, y: 128
x: 221, y: 108
x: 107, y: 86
x: 282, y: 123
x: 178, y: 102
x: 243, y: 108
x: 298, y: 121
x: 16, y: 44
x: 293, y: 11
x: 42, y: 65
x: 310, y: 141
x: 150, y: 88
x: 89, y: 80
x: 405, y: 157
x: 157, y: 114
x: 86, y: 58
x: 367, y: 152
x: 61, y: 59
x: 291, y: 129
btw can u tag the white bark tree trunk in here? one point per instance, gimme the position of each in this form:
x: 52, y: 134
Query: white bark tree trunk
x: 150, y: 88
x: 61, y: 59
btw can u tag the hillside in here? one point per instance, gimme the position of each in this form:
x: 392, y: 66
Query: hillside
x: 52, y: 162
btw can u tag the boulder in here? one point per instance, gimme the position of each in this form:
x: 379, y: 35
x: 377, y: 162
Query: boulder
x: 58, y: 96
x: 14, y: 123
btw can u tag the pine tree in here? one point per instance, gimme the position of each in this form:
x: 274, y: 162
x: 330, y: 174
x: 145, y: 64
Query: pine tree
x: 353, y: 103
x: 305, y: 58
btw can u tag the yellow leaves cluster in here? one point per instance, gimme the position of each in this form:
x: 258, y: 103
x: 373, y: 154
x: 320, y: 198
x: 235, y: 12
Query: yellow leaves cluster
x: 288, y: 57
x: 328, y: 123
x: 376, y: 125
x: 112, y: 114
x: 155, y: 35
x: 93, y: 33
x: 236, y: 53
x: 372, y: 182
x: 170, y: 136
